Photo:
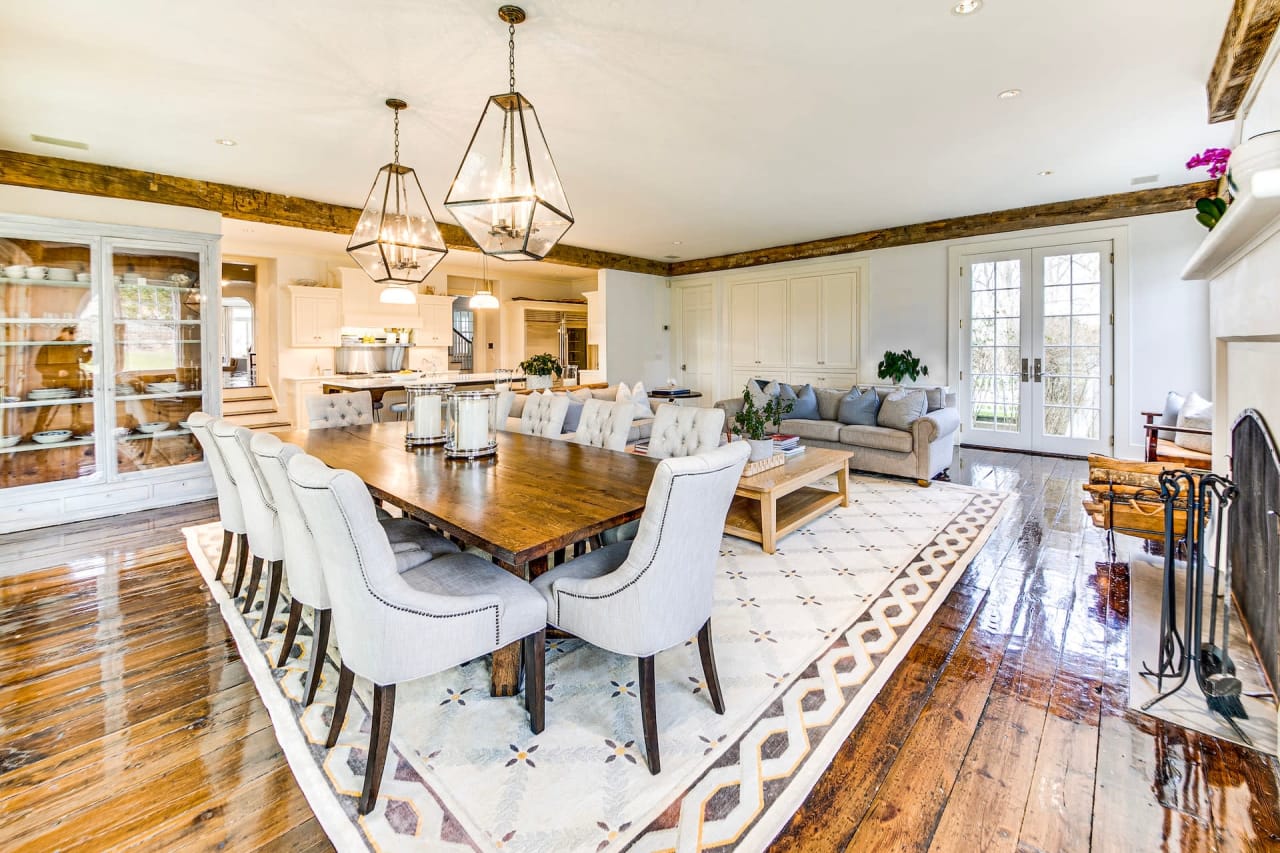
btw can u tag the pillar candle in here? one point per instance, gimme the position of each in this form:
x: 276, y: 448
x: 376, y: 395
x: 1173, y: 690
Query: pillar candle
x: 473, y: 424
x: 426, y: 416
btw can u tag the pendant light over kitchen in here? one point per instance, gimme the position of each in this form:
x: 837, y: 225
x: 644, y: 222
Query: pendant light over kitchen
x: 397, y: 240
x: 507, y: 194
x: 483, y: 298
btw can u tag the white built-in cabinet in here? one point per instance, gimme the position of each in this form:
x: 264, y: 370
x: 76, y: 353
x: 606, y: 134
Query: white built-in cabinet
x: 316, y: 314
x: 435, y: 327
x: 803, y: 329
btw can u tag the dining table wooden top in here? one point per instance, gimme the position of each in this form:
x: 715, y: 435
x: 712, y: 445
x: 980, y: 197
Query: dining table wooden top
x: 533, y: 497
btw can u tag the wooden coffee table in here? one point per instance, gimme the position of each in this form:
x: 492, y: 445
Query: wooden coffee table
x: 773, y: 503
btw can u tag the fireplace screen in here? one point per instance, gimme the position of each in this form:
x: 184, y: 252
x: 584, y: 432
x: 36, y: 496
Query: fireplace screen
x: 1255, y: 536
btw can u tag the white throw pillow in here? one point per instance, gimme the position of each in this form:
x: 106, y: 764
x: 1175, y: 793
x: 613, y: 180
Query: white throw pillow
x: 1172, y: 405
x: 635, y: 395
x: 1196, y: 412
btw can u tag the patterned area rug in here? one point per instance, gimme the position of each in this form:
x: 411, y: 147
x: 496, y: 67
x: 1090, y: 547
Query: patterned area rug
x: 804, y: 640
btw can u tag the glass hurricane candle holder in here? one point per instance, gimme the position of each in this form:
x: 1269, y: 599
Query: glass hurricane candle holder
x: 470, y: 429
x: 426, y: 413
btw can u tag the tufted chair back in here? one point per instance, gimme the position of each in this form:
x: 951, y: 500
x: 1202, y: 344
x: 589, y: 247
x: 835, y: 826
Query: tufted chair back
x: 301, y: 559
x: 229, y: 508
x: 604, y: 424
x: 387, y: 630
x: 265, y: 538
x: 685, y: 431
x: 544, y: 415
x: 350, y: 408
x: 661, y: 595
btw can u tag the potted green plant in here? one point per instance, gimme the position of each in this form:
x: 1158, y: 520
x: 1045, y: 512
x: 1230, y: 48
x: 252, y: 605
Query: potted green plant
x: 899, y: 365
x: 539, y: 368
x: 752, y: 424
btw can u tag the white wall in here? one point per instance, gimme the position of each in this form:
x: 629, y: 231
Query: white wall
x: 637, y: 312
x: 1164, y: 346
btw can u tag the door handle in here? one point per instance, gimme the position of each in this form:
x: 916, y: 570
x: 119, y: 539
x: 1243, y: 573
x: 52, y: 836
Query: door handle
x: 684, y: 367
x: 1039, y: 372
x: 1026, y: 370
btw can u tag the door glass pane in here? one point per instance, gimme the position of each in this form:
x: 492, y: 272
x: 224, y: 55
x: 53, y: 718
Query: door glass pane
x: 156, y: 304
x: 1072, y: 341
x: 995, y: 339
x: 48, y: 338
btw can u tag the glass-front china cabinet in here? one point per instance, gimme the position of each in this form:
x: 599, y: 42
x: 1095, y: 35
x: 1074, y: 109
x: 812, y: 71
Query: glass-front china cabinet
x: 108, y: 341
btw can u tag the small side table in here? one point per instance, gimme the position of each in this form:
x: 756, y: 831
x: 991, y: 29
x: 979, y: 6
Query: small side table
x: 678, y: 399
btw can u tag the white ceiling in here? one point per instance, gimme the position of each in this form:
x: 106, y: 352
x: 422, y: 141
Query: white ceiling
x: 724, y: 125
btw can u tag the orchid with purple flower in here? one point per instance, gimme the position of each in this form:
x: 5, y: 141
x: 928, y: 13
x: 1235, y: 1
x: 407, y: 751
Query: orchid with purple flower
x: 1214, y: 158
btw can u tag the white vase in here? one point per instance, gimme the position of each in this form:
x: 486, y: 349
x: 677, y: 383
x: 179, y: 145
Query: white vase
x: 535, y: 383
x: 760, y: 449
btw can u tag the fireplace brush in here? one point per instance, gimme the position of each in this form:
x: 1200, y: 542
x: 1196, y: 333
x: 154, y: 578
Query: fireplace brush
x: 1205, y: 497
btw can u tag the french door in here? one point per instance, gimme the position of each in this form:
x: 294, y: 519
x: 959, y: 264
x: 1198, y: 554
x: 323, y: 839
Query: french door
x: 1036, y: 349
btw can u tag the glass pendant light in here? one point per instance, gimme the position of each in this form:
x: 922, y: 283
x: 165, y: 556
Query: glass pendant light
x: 397, y: 239
x: 483, y: 298
x: 507, y: 194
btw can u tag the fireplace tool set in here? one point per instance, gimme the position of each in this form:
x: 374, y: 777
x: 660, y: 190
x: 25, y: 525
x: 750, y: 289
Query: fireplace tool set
x: 1205, y: 499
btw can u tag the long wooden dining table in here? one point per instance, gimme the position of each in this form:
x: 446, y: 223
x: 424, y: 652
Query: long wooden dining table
x: 534, y: 497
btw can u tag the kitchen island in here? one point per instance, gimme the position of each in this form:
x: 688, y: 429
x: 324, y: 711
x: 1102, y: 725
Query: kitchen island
x: 377, y: 385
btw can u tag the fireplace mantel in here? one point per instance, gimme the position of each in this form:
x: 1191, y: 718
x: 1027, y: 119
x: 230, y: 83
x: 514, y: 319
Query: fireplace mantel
x: 1248, y: 223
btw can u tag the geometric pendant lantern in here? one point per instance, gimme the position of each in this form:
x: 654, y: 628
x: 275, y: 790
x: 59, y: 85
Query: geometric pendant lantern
x: 507, y: 193
x: 397, y: 239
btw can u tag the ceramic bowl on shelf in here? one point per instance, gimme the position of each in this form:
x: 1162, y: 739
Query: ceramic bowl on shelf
x: 83, y: 276
x: 52, y: 436
x: 61, y: 274
x: 184, y: 424
x: 165, y: 387
x: 15, y: 271
x: 153, y: 427
x: 180, y: 279
x: 9, y: 440
x: 37, y: 272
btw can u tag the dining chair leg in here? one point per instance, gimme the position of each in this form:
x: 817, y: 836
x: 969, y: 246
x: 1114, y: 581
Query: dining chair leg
x: 708, y: 654
x: 384, y: 706
x: 227, y: 538
x: 649, y: 715
x: 273, y: 595
x: 535, y: 671
x: 559, y: 557
x: 579, y: 548
x: 255, y: 575
x: 242, y: 558
x: 596, y: 542
x: 319, y: 646
x: 290, y: 631
x: 345, y: 679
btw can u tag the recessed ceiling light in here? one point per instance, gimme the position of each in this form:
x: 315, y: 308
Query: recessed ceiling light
x: 677, y: 242
x: 53, y: 140
x: 1144, y: 179
x: 1044, y: 173
x: 966, y: 7
x: 1009, y: 93
x: 225, y: 141
x: 671, y: 257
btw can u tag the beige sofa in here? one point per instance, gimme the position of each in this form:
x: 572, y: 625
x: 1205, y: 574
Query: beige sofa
x: 921, y: 453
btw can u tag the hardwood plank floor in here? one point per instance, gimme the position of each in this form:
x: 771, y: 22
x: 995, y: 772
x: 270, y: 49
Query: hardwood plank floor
x: 1005, y: 729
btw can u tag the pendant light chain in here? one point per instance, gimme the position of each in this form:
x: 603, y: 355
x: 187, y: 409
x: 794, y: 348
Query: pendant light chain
x: 511, y: 56
x: 396, y: 158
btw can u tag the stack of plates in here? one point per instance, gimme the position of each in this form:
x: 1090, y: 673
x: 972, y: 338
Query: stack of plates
x: 165, y: 387
x: 124, y: 390
x: 51, y: 394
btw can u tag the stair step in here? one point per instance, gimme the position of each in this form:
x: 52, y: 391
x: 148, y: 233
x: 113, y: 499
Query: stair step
x: 240, y: 407
x: 256, y: 420
x: 254, y: 392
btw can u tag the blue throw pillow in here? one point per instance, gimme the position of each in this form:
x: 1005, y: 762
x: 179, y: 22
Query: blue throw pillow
x: 859, y: 408
x: 804, y: 402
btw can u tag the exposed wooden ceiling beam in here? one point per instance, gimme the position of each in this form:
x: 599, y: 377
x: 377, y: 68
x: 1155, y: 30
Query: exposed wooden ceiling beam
x: 1058, y: 213
x: 75, y: 176
x: 1249, y: 31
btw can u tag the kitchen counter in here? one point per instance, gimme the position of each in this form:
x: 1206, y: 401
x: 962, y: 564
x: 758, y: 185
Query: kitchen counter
x: 298, y: 388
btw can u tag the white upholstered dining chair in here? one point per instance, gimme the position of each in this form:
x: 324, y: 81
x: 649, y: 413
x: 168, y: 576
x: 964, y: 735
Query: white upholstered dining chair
x: 685, y: 431
x: 350, y: 408
x: 230, y: 511
x: 544, y: 415
x: 639, y: 598
x: 502, y: 410
x: 412, y: 543
x: 266, y: 542
x: 394, y: 626
x: 604, y: 424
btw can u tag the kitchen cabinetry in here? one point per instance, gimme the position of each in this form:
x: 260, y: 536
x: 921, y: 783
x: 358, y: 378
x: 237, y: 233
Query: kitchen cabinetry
x: 316, y: 316
x: 435, y: 327
x: 106, y: 347
x: 361, y: 308
x: 803, y: 329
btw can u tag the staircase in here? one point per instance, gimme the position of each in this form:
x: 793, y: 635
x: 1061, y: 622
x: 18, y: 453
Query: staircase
x: 253, y: 407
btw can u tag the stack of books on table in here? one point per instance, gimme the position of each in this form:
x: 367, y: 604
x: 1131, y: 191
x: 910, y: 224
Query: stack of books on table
x: 640, y: 448
x: 788, y: 445
x: 670, y: 391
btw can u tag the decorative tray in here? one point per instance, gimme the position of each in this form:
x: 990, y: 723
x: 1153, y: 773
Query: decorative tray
x: 762, y: 465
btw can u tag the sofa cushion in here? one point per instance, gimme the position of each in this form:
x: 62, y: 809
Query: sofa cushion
x: 636, y: 395
x: 640, y: 428
x: 860, y: 408
x: 609, y: 394
x: 877, y: 437
x: 573, y: 416
x: 1197, y: 413
x: 933, y: 398
x: 812, y: 429
x: 829, y: 403
x: 804, y: 403
x: 901, y: 408
x: 1172, y: 405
